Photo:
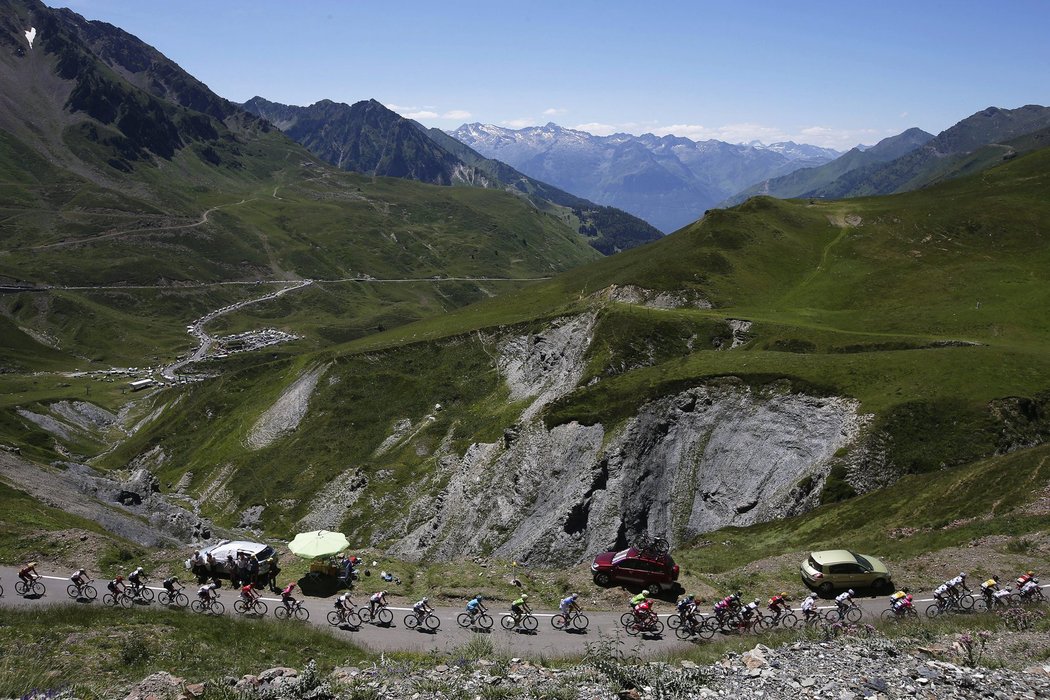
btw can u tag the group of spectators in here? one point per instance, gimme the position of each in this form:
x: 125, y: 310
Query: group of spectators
x: 242, y: 570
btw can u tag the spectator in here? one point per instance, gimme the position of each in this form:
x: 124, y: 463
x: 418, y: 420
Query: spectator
x: 253, y: 570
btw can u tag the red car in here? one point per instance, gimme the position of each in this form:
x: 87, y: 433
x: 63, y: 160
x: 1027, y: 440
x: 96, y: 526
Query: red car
x: 631, y: 565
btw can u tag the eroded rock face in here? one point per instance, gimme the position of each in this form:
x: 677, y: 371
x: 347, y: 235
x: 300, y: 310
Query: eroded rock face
x: 686, y: 464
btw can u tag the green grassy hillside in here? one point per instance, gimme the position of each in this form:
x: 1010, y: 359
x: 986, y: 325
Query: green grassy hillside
x: 921, y: 306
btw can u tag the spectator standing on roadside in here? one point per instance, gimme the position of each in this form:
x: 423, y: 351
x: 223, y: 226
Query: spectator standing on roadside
x: 253, y: 570
x: 231, y: 569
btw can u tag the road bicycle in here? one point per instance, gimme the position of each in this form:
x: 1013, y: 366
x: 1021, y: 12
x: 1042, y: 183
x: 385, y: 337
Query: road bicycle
x: 526, y: 621
x: 429, y: 622
x: 287, y: 612
x: 34, y: 588
x: 381, y: 616
x: 653, y: 544
x: 693, y: 627
x: 253, y: 606
x: 956, y: 604
x: 211, y: 606
x: 85, y: 592
x: 852, y: 613
x: 173, y: 599
x: 575, y: 620
x: 900, y: 614
x: 481, y: 621
x: 338, y: 618
x: 648, y: 625
x: 139, y: 594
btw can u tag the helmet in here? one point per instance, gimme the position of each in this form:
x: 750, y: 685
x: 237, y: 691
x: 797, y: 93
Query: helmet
x: 138, y: 569
x: 120, y: 578
x: 737, y: 595
x: 962, y: 574
x: 850, y: 591
x: 783, y: 594
x: 425, y: 599
x: 477, y: 597
x: 995, y: 578
x: 574, y: 596
x: 524, y: 596
x: 756, y: 601
x: 645, y: 592
x: 813, y: 594
x: 906, y: 589
x: 908, y: 597
x: 1030, y: 573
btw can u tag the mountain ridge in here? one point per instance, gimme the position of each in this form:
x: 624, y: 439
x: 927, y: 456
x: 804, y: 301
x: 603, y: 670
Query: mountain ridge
x: 668, y: 180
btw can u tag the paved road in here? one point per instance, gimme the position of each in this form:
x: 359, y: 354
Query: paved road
x: 545, y: 640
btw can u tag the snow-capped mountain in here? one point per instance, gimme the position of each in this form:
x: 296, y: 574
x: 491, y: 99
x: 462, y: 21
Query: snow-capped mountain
x: 667, y: 180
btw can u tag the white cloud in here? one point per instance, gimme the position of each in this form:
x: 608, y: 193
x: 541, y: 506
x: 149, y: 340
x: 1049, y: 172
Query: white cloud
x: 422, y: 114
x: 401, y: 109
x: 458, y: 114
x: 904, y: 115
x: 597, y: 128
x: 554, y: 111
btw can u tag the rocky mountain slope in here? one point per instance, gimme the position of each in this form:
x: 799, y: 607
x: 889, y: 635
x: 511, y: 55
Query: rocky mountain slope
x: 669, y: 181
x: 366, y: 137
x: 939, y: 155
x: 805, y: 180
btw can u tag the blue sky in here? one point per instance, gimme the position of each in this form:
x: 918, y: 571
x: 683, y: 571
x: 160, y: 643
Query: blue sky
x: 829, y: 73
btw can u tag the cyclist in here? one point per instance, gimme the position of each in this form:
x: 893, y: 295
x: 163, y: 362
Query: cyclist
x: 137, y: 579
x: 899, y: 595
x: 28, y: 573
x: 286, y: 596
x: 989, y: 588
x: 809, y: 606
x: 80, y: 579
x: 204, y: 593
x: 779, y: 605
x: 249, y: 594
x: 422, y: 608
x: 750, y: 610
x: 116, y: 586
x: 344, y: 605
x: 901, y: 606
x: 639, y: 599
x: 686, y: 607
x: 644, y: 613
x: 568, y: 605
x: 843, y: 601
x: 172, y: 585
x: 376, y: 601
x: 956, y: 583
x: 520, y: 607
x: 1030, y: 589
x: 475, y: 607
x: 726, y: 606
x: 1024, y: 578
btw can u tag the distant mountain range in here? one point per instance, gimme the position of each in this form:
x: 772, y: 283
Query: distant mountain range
x: 366, y: 137
x: 667, y: 180
x: 914, y: 158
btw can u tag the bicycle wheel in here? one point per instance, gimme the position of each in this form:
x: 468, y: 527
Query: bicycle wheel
x: 657, y: 628
x: 335, y: 619
x: 217, y: 608
x: 888, y: 614
x: 633, y: 629
x: 181, y: 600
x: 109, y: 599
x: 20, y: 587
x: 164, y: 598
x: 125, y: 600
x: 626, y: 619
x: 197, y: 606
x: 240, y: 607
x: 683, y: 631
x: 260, y: 608
x: 529, y: 623
x: 559, y: 622
x: 507, y: 622
x: 88, y: 592
x: 386, y: 617
x: 580, y: 622
x: 302, y: 614
x: 281, y: 612
x: 854, y: 614
x: 789, y: 621
x: 432, y: 621
x: 966, y: 601
x: 464, y: 620
x: 674, y: 621
x: 980, y: 605
x: 411, y: 620
x: 933, y: 610
x: 704, y: 630
x: 73, y: 591
x: 365, y: 614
